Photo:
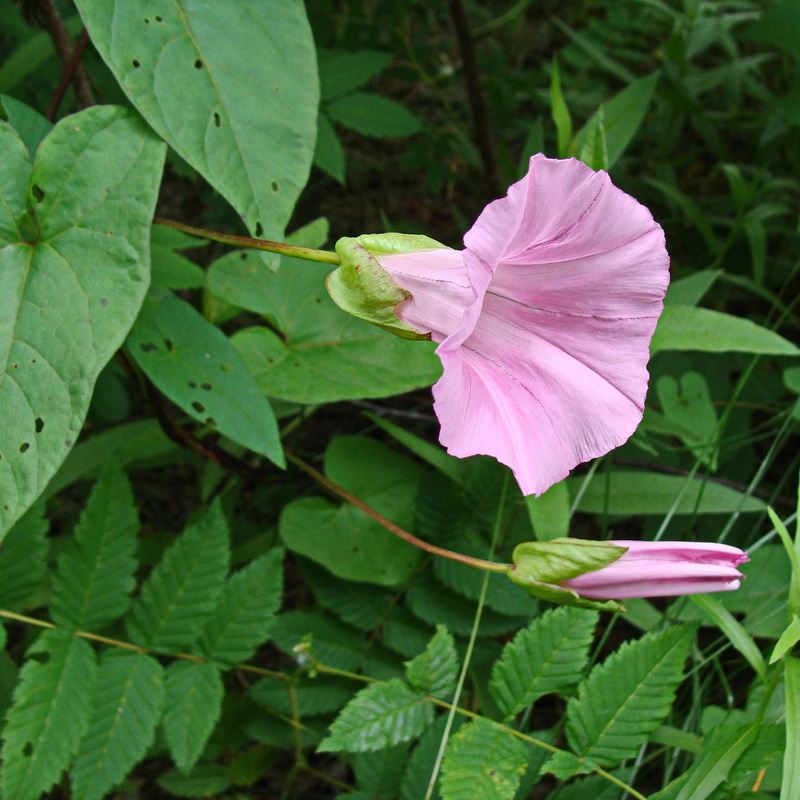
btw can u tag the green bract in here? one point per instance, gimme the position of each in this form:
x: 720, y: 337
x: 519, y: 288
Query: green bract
x: 540, y: 566
x: 363, y: 288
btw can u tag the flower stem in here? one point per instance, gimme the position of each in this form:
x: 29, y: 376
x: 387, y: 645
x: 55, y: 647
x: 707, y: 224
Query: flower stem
x: 489, y: 566
x: 306, y: 253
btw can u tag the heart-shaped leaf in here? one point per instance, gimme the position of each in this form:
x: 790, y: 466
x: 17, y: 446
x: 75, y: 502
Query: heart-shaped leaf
x: 74, y: 268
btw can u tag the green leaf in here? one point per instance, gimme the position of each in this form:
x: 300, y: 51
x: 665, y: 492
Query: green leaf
x: 345, y: 539
x: 691, y: 328
x: 169, y: 269
x: 359, y: 604
x: 241, y: 620
x: 482, y: 760
x: 547, y: 656
x: 372, y: 115
x: 322, y: 355
x: 789, y: 638
x: 330, y: 641
x: 723, y: 747
x: 621, y: 117
x: 423, y: 759
x: 231, y: 86
x: 734, y: 630
x: 50, y: 713
x: 328, y: 152
x: 593, y: 148
x: 194, y: 364
x: 74, y: 263
x: 142, y: 443
x: 790, y: 785
x: 550, y: 512
x: 625, y: 698
x: 560, y: 113
x: 378, y: 774
x: 341, y: 72
x: 320, y: 694
x: 689, y: 291
x: 435, y: 670
x: 182, y: 591
x: 31, y: 126
x: 23, y: 558
x: 205, y: 780
x: 95, y: 574
x: 380, y: 715
x: 192, y: 707
x: 126, y: 708
x: 688, y: 405
x: 638, y: 492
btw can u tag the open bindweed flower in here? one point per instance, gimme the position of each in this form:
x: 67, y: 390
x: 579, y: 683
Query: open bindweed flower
x: 663, y: 569
x: 582, y: 572
x: 543, y: 322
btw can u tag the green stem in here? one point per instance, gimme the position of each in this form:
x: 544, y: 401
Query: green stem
x: 479, y: 563
x: 306, y: 253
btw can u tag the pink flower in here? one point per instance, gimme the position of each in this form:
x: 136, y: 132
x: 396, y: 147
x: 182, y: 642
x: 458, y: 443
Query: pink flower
x: 543, y: 322
x: 660, y: 569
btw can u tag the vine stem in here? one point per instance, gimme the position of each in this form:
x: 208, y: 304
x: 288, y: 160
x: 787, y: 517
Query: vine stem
x: 306, y: 253
x: 489, y: 566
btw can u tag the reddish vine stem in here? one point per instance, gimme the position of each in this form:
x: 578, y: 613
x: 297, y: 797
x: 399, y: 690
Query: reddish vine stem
x: 63, y: 44
x: 67, y: 75
x: 340, y: 491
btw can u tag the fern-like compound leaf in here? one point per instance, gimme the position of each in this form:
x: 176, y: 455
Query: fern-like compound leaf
x: 192, y: 708
x: 125, y: 712
x: 241, y: 621
x: 49, y: 715
x: 182, y: 591
x: 23, y: 559
x: 380, y: 715
x: 625, y: 698
x: 547, y: 656
x: 434, y: 671
x: 482, y: 760
x: 94, y: 579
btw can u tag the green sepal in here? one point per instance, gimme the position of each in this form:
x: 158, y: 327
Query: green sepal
x: 362, y: 287
x: 539, y: 566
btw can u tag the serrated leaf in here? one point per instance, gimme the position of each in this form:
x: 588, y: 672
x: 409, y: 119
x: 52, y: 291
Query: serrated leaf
x: 313, y: 696
x: 625, y: 698
x: 205, y: 780
x: 192, y: 707
x: 358, y: 604
x: 482, y: 760
x: 420, y: 766
x: 95, y: 574
x: 435, y: 670
x: 565, y: 765
x: 74, y: 263
x: 182, y: 591
x: 126, y: 706
x: 182, y: 66
x: 243, y: 617
x: 341, y: 72
x: 691, y: 328
x: 378, y: 773
x: 372, y: 115
x: 331, y: 642
x: 50, y: 713
x: 23, y: 558
x: 194, y: 364
x: 547, y: 656
x: 380, y: 715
